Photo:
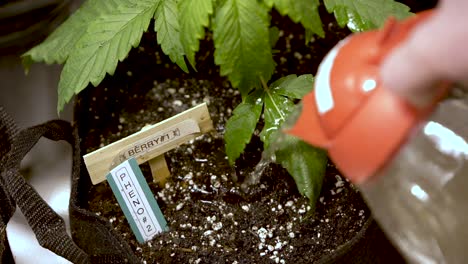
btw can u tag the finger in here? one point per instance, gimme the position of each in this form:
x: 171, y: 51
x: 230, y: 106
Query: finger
x: 434, y: 51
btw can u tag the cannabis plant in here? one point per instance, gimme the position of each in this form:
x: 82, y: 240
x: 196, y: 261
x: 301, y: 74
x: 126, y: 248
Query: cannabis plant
x: 102, y: 32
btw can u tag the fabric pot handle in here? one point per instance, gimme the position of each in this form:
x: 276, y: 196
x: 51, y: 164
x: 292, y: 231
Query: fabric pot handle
x: 8, y: 131
x: 47, y: 225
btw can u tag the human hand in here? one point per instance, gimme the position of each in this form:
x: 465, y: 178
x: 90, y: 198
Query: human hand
x: 436, y: 50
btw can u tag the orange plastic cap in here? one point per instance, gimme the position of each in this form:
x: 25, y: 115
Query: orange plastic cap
x: 349, y: 113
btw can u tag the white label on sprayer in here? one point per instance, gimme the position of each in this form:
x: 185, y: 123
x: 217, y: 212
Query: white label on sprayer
x: 323, y: 91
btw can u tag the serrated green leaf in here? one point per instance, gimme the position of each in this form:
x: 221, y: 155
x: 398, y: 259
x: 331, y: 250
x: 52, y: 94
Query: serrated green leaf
x: 194, y: 17
x: 279, y: 103
x: 108, y: 40
x: 293, y: 86
x: 361, y: 15
x: 241, y: 125
x: 308, y: 35
x: 283, y: 81
x: 168, y: 32
x: 269, y: 3
x: 301, y: 11
x: 242, y: 47
x: 274, y: 36
x: 306, y: 165
x: 276, y: 110
x: 56, y: 47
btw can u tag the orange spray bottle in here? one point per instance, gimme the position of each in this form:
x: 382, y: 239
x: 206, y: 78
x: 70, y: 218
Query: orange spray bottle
x: 409, y: 164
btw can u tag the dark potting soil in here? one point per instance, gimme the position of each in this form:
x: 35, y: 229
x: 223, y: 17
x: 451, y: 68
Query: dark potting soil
x: 210, y: 219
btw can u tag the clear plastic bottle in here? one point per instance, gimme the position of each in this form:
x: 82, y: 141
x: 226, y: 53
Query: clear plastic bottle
x: 420, y: 198
x: 412, y: 170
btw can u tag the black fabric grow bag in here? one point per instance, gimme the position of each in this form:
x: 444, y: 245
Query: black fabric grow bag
x: 48, y: 226
x: 25, y: 23
x: 95, y: 235
x: 96, y: 241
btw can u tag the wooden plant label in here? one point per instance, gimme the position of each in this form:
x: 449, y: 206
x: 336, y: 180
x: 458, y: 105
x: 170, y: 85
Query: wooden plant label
x: 146, y: 146
x: 136, y: 200
x: 150, y: 144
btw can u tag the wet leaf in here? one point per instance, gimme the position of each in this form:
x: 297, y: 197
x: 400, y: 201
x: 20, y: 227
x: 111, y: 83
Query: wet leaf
x: 305, y: 163
x: 240, y: 127
x: 276, y: 110
x: 279, y: 101
x: 301, y: 11
x: 361, y: 15
x: 293, y: 86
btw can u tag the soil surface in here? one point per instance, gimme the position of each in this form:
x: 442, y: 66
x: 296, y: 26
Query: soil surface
x: 210, y: 219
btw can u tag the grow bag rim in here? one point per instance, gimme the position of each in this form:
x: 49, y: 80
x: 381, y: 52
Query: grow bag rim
x: 25, y: 6
x: 347, y: 247
x: 26, y: 26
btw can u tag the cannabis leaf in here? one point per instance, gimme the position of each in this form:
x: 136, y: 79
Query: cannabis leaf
x: 168, y: 32
x: 274, y: 36
x: 194, y: 17
x: 240, y: 127
x: 361, y: 15
x: 241, y: 38
x: 57, y: 47
x: 308, y: 36
x: 293, y: 86
x: 301, y: 11
x: 279, y: 103
x: 304, y: 162
x: 277, y: 108
x: 107, y: 40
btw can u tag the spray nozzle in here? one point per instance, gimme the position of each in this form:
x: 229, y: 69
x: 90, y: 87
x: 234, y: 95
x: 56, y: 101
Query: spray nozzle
x: 359, y: 122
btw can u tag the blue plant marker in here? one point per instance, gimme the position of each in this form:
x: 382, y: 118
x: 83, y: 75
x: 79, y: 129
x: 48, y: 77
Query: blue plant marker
x: 136, y: 200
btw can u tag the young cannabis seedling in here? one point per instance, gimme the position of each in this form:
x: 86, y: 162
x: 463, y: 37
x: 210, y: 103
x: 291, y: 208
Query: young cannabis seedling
x: 304, y: 163
x: 101, y: 33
